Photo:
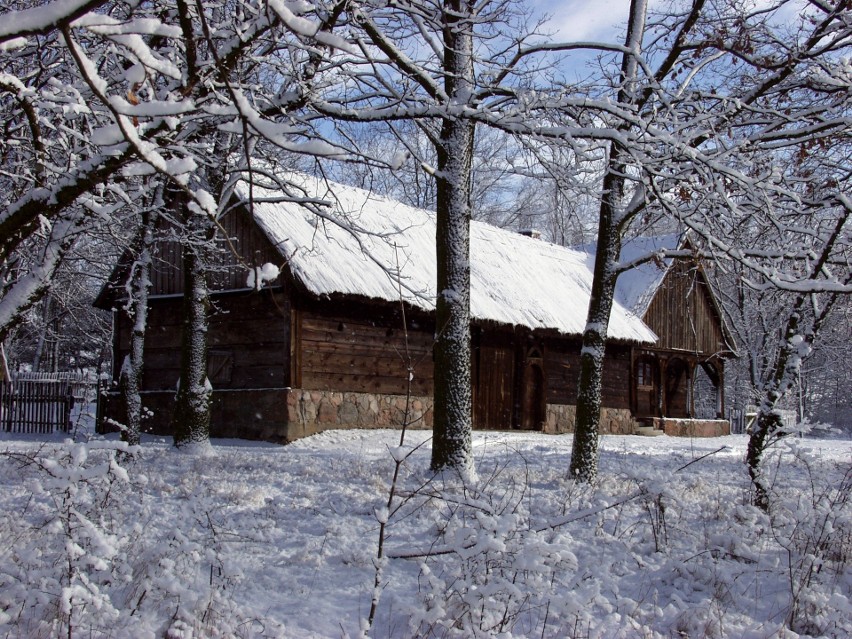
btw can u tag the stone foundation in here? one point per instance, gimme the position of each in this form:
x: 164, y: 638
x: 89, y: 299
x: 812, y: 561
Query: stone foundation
x: 285, y: 414
x: 614, y: 421
x: 310, y: 412
x: 279, y: 414
x: 692, y: 427
x: 560, y: 418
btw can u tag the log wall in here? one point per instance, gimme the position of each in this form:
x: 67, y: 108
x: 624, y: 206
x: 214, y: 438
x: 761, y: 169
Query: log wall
x: 248, y: 338
x: 244, y: 414
x: 359, y: 354
x: 562, y: 368
x: 239, y: 247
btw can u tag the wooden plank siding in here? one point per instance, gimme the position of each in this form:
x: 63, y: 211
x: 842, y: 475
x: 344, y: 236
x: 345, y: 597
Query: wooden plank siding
x: 243, y: 245
x: 248, y: 339
x: 562, y: 370
x: 346, y: 353
x: 683, y: 315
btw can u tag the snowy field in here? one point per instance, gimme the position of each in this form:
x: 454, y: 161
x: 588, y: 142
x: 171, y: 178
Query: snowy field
x: 261, y: 540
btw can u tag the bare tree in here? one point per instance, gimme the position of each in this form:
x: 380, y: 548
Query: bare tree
x: 694, y: 141
x: 681, y: 120
x: 613, y: 218
x: 101, y: 92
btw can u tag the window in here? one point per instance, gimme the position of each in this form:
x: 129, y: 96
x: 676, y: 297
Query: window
x: 645, y: 372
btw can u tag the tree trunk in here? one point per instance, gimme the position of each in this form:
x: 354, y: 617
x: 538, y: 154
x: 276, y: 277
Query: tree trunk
x: 191, y: 419
x: 5, y: 375
x: 453, y: 420
x: 131, y: 370
x: 46, y: 311
x: 799, y: 336
x: 584, y: 453
x: 767, y: 426
x: 611, y: 221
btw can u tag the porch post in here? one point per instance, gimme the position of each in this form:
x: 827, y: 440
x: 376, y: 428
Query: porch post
x: 690, y: 388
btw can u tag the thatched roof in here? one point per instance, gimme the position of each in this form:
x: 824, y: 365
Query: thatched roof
x: 371, y: 247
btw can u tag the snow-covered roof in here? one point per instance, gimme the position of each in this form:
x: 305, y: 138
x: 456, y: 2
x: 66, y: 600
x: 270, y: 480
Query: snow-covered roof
x: 636, y: 287
x: 515, y: 280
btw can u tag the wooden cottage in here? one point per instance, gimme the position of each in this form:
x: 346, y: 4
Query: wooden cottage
x: 345, y: 332
x: 677, y: 384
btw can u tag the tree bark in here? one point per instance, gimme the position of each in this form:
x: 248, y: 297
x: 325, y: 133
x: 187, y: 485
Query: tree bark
x: 611, y: 220
x: 5, y: 375
x: 131, y: 370
x: 584, y: 453
x: 191, y: 419
x: 453, y: 412
x: 46, y: 313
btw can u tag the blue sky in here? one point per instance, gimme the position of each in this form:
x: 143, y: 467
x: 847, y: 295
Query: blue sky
x: 607, y: 19
x: 585, y: 19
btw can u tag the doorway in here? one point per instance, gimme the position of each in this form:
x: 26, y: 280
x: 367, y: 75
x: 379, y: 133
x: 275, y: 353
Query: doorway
x: 533, y: 403
x: 646, y: 378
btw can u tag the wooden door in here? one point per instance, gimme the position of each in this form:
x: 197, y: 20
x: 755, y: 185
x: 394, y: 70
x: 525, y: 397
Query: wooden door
x: 493, y: 407
x: 646, y: 380
x: 677, y: 389
x: 533, y: 407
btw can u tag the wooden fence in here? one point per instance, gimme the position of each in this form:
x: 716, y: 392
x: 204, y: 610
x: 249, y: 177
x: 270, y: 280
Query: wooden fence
x: 40, y: 402
x: 742, y: 419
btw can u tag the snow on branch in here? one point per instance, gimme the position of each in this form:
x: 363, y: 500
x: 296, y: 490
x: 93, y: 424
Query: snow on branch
x: 45, y: 18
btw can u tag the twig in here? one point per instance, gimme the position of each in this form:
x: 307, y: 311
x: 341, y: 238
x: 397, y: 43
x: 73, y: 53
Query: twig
x: 698, y: 459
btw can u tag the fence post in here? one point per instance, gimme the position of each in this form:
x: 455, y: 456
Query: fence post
x: 6, y: 405
x: 69, y: 406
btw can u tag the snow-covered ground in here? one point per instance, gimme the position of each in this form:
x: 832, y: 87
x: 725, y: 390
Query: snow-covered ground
x: 280, y: 541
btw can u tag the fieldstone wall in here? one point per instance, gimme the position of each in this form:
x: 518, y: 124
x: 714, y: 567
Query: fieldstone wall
x: 693, y: 427
x: 560, y: 418
x: 284, y: 414
x: 617, y: 421
x: 614, y: 421
x: 312, y: 411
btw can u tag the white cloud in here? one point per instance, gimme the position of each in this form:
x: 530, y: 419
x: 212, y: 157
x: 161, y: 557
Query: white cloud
x: 585, y: 19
